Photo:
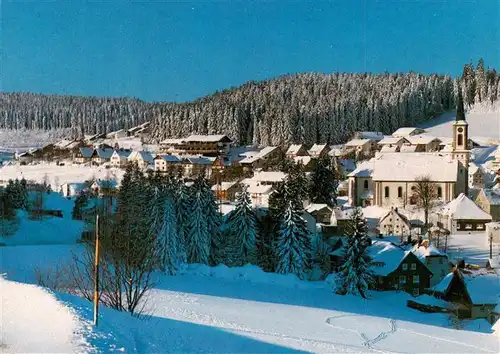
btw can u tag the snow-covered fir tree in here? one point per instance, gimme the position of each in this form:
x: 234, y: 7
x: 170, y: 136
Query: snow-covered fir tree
x: 243, y: 227
x: 293, y: 247
x: 198, y: 237
x: 182, y: 198
x: 355, y: 275
x: 324, y: 182
x: 169, y: 238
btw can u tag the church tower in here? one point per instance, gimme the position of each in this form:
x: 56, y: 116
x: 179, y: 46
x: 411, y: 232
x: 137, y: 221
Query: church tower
x: 460, y: 150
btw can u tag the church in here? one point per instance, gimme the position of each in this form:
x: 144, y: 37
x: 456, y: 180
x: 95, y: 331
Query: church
x: 388, y: 179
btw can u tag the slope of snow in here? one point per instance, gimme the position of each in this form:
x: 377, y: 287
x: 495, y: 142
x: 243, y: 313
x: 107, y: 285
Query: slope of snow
x: 22, y: 140
x: 34, y: 321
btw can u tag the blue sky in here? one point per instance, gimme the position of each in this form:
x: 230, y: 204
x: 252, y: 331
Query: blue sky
x: 177, y: 51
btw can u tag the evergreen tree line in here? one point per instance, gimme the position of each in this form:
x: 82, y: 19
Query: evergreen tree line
x: 13, y: 196
x: 302, y: 108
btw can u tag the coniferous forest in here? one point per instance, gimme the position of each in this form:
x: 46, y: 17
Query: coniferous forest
x: 300, y: 108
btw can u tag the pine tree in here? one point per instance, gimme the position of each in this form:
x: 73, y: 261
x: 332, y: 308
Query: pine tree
x: 324, y: 183
x: 242, y: 225
x: 198, y: 237
x: 293, y: 249
x: 80, y: 202
x: 355, y: 275
x: 182, y: 199
x: 169, y: 238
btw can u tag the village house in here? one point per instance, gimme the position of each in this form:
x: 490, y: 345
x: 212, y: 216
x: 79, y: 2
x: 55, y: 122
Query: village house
x: 322, y: 213
x: 489, y: 201
x: 319, y: 150
x: 307, y: 161
x: 68, y: 190
x: 394, y: 223
x: 424, y: 143
x: 475, y: 296
x: 100, y: 156
x: 119, y: 158
x: 197, y: 165
x: 143, y: 159
x: 164, y: 163
x: 462, y: 214
x: 264, y: 159
x: 392, y: 144
x: 392, y: 148
x: 104, y: 187
x: 476, y: 176
x: 397, y: 269
x: 361, y: 147
x: 296, y: 150
x: 208, y: 145
x: 435, y: 260
x: 83, y: 155
x: 405, y: 132
x: 259, y: 194
x: 226, y: 190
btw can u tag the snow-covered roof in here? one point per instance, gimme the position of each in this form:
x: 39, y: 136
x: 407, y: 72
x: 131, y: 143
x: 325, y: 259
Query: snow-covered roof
x: 269, y: 176
x: 123, y: 154
x: 358, y: 142
x: 311, y: 208
x: 199, y: 160
x: 369, y: 135
x: 144, y: 155
x: 387, y: 255
x: 423, y: 252
x: 342, y: 214
x: 294, y: 149
x: 304, y: 160
x: 422, y: 139
x: 104, y: 153
x: 407, y: 131
x: 483, y: 289
x: 473, y: 168
x: 391, y: 140
x: 394, y: 211
x: 462, y: 208
x: 408, y: 166
x: 262, y: 154
x: 169, y: 158
x: 172, y: 141
x: 364, y: 169
x: 443, y: 285
x: 224, y: 186
x: 389, y: 148
x: 408, y: 148
x: 207, y: 138
x: 447, y: 148
x: 316, y: 149
x: 259, y: 189
x: 86, y: 151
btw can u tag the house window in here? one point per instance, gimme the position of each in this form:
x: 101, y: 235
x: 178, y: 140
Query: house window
x: 479, y: 226
x: 414, y: 266
x: 415, y: 292
x: 386, y: 192
x: 402, y: 279
x: 459, y: 226
x: 468, y: 226
x: 440, y: 192
x: 416, y: 279
x: 365, y: 184
x: 405, y: 266
x: 400, y: 192
x: 460, y: 140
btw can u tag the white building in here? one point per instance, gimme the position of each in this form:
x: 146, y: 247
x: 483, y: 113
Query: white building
x: 72, y: 189
x: 119, y: 158
x: 462, y: 214
x: 394, y: 223
x: 319, y: 150
x: 142, y: 158
x: 476, y: 176
x: 164, y: 162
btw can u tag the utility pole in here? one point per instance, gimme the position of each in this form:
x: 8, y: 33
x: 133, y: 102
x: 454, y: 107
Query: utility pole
x: 96, y: 273
x: 491, y: 245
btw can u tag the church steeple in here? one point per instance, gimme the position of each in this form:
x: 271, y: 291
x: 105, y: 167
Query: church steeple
x: 460, y: 150
x: 460, y: 106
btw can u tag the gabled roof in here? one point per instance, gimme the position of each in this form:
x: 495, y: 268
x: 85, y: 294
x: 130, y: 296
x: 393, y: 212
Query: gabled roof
x: 262, y: 154
x: 144, y: 155
x: 394, y: 211
x: 422, y: 252
x: 224, y: 186
x: 103, y: 153
x: 86, y: 151
x: 312, y: 208
x: 316, y: 149
x: 408, y: 148
x: 462, y: 208
x: 407, y: 131
x: 422, y: 139
x: 387, y: 254
x: 369, y: 135
x: 358, y: 142
x: 389, y: 148
x: 407, y: 167
x: 123, y: 154
x: 260, y: 189
x: 483, y: 289
x: 207, y: 138
x: 493, y: 195
x: 269, y: 176
x: 169, y: 158
x: 364, y: 169
x: 390, y: 140
x: 294, y: 149
x: 444, y: 284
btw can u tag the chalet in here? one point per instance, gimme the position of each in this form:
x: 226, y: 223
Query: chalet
x: 407, y: 131
x: 322, y: 213
x: 307, y: 161
x: 164, y: 163
x: 72, y: 189
x: 208, y: 145
x: 83, y: 155
x: 397, y: 269
x: 362, y: 147
x: 489, y: 201
x: 424, y: 143
x: 392, y: 142
x: 435, y: 260
x: 296, y: 150
x: 259, y: 193
x: 143, y: 159
x: 104, y: 187
x: 100, y: 156
x: 226, y: 190
x: 319, y: 150
x: 476, y: 176
x: 394, y: 223
x: 119, y: 158
x: 265, y: 158
x: 462, y: 214
x: 196, y: 165
x: 268, y: 177
x: 476, y: 296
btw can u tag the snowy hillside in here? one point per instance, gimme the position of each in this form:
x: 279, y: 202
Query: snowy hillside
x: 484, y: 123
x: 22, y: 140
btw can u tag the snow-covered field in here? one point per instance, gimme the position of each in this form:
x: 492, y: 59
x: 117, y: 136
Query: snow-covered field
x: 484, y: 123
x: 22, y: 140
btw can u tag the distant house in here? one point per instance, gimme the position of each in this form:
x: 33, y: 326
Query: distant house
x: 119, y: 158
x: 394, y: 223
x: 476, y: 296
x: 392, y: 142
x: 407, y: 131
x: 476, y: 176
x: 319, y: 150
x: 259, y: 193
x: 397, y: 269
x: 362, y: 147
x: 322, y: 213
x: 271, y: 178
x: 208, y: 145
x: 196, y: 165
x: 489, y: 201
x: 296, y: 150
x: 424, y: 143
x: 265, y: 158
x: 100, y: 156
x: 307, y: 161
x: 104, y: 187
x: 164, y: 163
x: 226, y: 190
x: 462, y: 214
x: 83, y: 155
x: 143, y: 159
x: 72, y: 189
x: 437, y: 261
